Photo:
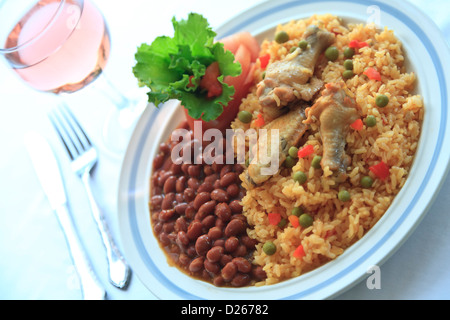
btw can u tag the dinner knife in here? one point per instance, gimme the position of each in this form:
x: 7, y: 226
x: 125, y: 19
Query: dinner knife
x: 49, y: 175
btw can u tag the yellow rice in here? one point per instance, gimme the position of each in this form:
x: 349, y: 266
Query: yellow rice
x: 337, y: 225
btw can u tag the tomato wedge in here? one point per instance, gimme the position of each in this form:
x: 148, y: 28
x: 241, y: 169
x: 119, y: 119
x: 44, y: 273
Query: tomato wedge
x: 246, y: 51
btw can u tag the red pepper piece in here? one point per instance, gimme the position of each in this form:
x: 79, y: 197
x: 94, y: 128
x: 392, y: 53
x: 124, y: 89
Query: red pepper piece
x: 305, y: 151
x: 294, y: 221
x: 259, y: 122
x: 355, y: 44
x: 372, y: 74
x: 299, y: 252
x: 274, y: 218
x: 264, y: 60
x: 357, y: 125
x: 381, y: 170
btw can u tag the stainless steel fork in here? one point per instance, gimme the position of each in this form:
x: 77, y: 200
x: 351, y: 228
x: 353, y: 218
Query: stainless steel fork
x: 84, y: 157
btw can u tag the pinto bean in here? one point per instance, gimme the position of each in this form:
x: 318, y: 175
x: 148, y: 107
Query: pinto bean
x: 215, y: 233
x: 241, y: 251
x: 212, y: 178
x: 208, y: 222
x: 205, y: 187
x: 184, y: 260
x: 194, y: 170
x: 168, y: 201
x: 211, y: 267
x: 163, y: 177
x: 190, y: 212
x: 229, y: 271
x: 185, y: 167
x: 259, y: 273
x: 223, y: 211
x: 180, y: 185
x: 231, y: 244
x: 249, y: 242
x: 236, y: 206
x: 218, y: 281
x: 176, y: 168
x: 181, y: 224
x: 242, y: 264
x: 164, y: 238
x: 219, y: 195
x: 233, y: 190
x: 207, y: 208
x: 182, y: 238
x: 200, y: 199
x: 179, y: 197
x: 158, y: 161
x: 194, y: 230
x: 196, y: 265
x: 228, y: 179
x: 240, y: 280
x: 202, y: 245
x: 156, y: 201
x: 235, y: 227
x: 225, y: 169
x: 181, y: 208
x: 193, y: 183
x: 189, y: 194
x: 215, y: 253
x: 168, y: 227
x: 166, y: 215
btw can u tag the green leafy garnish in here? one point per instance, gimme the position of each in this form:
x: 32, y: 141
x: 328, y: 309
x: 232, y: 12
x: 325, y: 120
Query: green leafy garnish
x: 173, y: 67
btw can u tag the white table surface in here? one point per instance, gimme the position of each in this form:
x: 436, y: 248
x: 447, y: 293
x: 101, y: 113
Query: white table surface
x: 34, y: 262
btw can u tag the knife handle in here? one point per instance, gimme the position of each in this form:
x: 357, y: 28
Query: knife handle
x: 90, y: 287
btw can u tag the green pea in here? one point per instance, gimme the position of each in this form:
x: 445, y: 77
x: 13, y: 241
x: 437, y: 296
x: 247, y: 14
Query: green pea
x: 348, y: 64
x: 245, y: 116
x: 347, y: 74
x: 293, y: 152
x: 292, y: 49
x: 269, y: 248
x: 371, y: 121
x: 289, y: 162
x: 315, y: 163
x: 332, y: 53
x: 344, y: 195
x: 300, y: 177
x: 305, y: 220
x: 303, y: 44
x: 381, y: 100
x: 349, y: 52
x: 297, y: 211
x: 282, y: 37
x: 282, y: 223
x: 366, y: 182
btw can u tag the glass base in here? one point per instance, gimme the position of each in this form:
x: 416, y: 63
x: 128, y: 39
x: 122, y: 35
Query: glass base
x: 119, y: 126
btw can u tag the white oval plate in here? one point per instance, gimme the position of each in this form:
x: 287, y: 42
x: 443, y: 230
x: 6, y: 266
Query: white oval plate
x: 428, y: 57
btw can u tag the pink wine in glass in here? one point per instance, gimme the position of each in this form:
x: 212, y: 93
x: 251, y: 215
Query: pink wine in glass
x: 61, y: 46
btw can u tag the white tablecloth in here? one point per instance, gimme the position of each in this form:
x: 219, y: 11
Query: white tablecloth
x: 34, y: 262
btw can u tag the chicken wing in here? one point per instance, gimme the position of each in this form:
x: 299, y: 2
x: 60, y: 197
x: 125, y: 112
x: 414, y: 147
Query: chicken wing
x: 292, y: 78
x: 336, y: 111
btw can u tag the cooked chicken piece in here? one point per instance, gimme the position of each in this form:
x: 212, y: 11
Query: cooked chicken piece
x: 292, y: 78
x: 336, y: 111
x: 290, y: 130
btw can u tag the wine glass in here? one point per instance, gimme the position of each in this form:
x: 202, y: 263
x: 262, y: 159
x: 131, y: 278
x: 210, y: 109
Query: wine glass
x: 61, y: 46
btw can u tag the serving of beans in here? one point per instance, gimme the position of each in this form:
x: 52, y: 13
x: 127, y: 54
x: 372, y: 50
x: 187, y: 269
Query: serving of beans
x: 197, y: 217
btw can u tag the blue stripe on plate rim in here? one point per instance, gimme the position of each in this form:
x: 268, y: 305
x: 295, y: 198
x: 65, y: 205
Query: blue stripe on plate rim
x: 442, y: 128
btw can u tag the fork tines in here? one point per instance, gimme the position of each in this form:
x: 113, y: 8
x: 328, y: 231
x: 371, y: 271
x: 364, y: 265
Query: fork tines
x: 69, y: 131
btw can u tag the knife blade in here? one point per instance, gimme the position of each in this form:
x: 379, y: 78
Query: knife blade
x: 49, y: 175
